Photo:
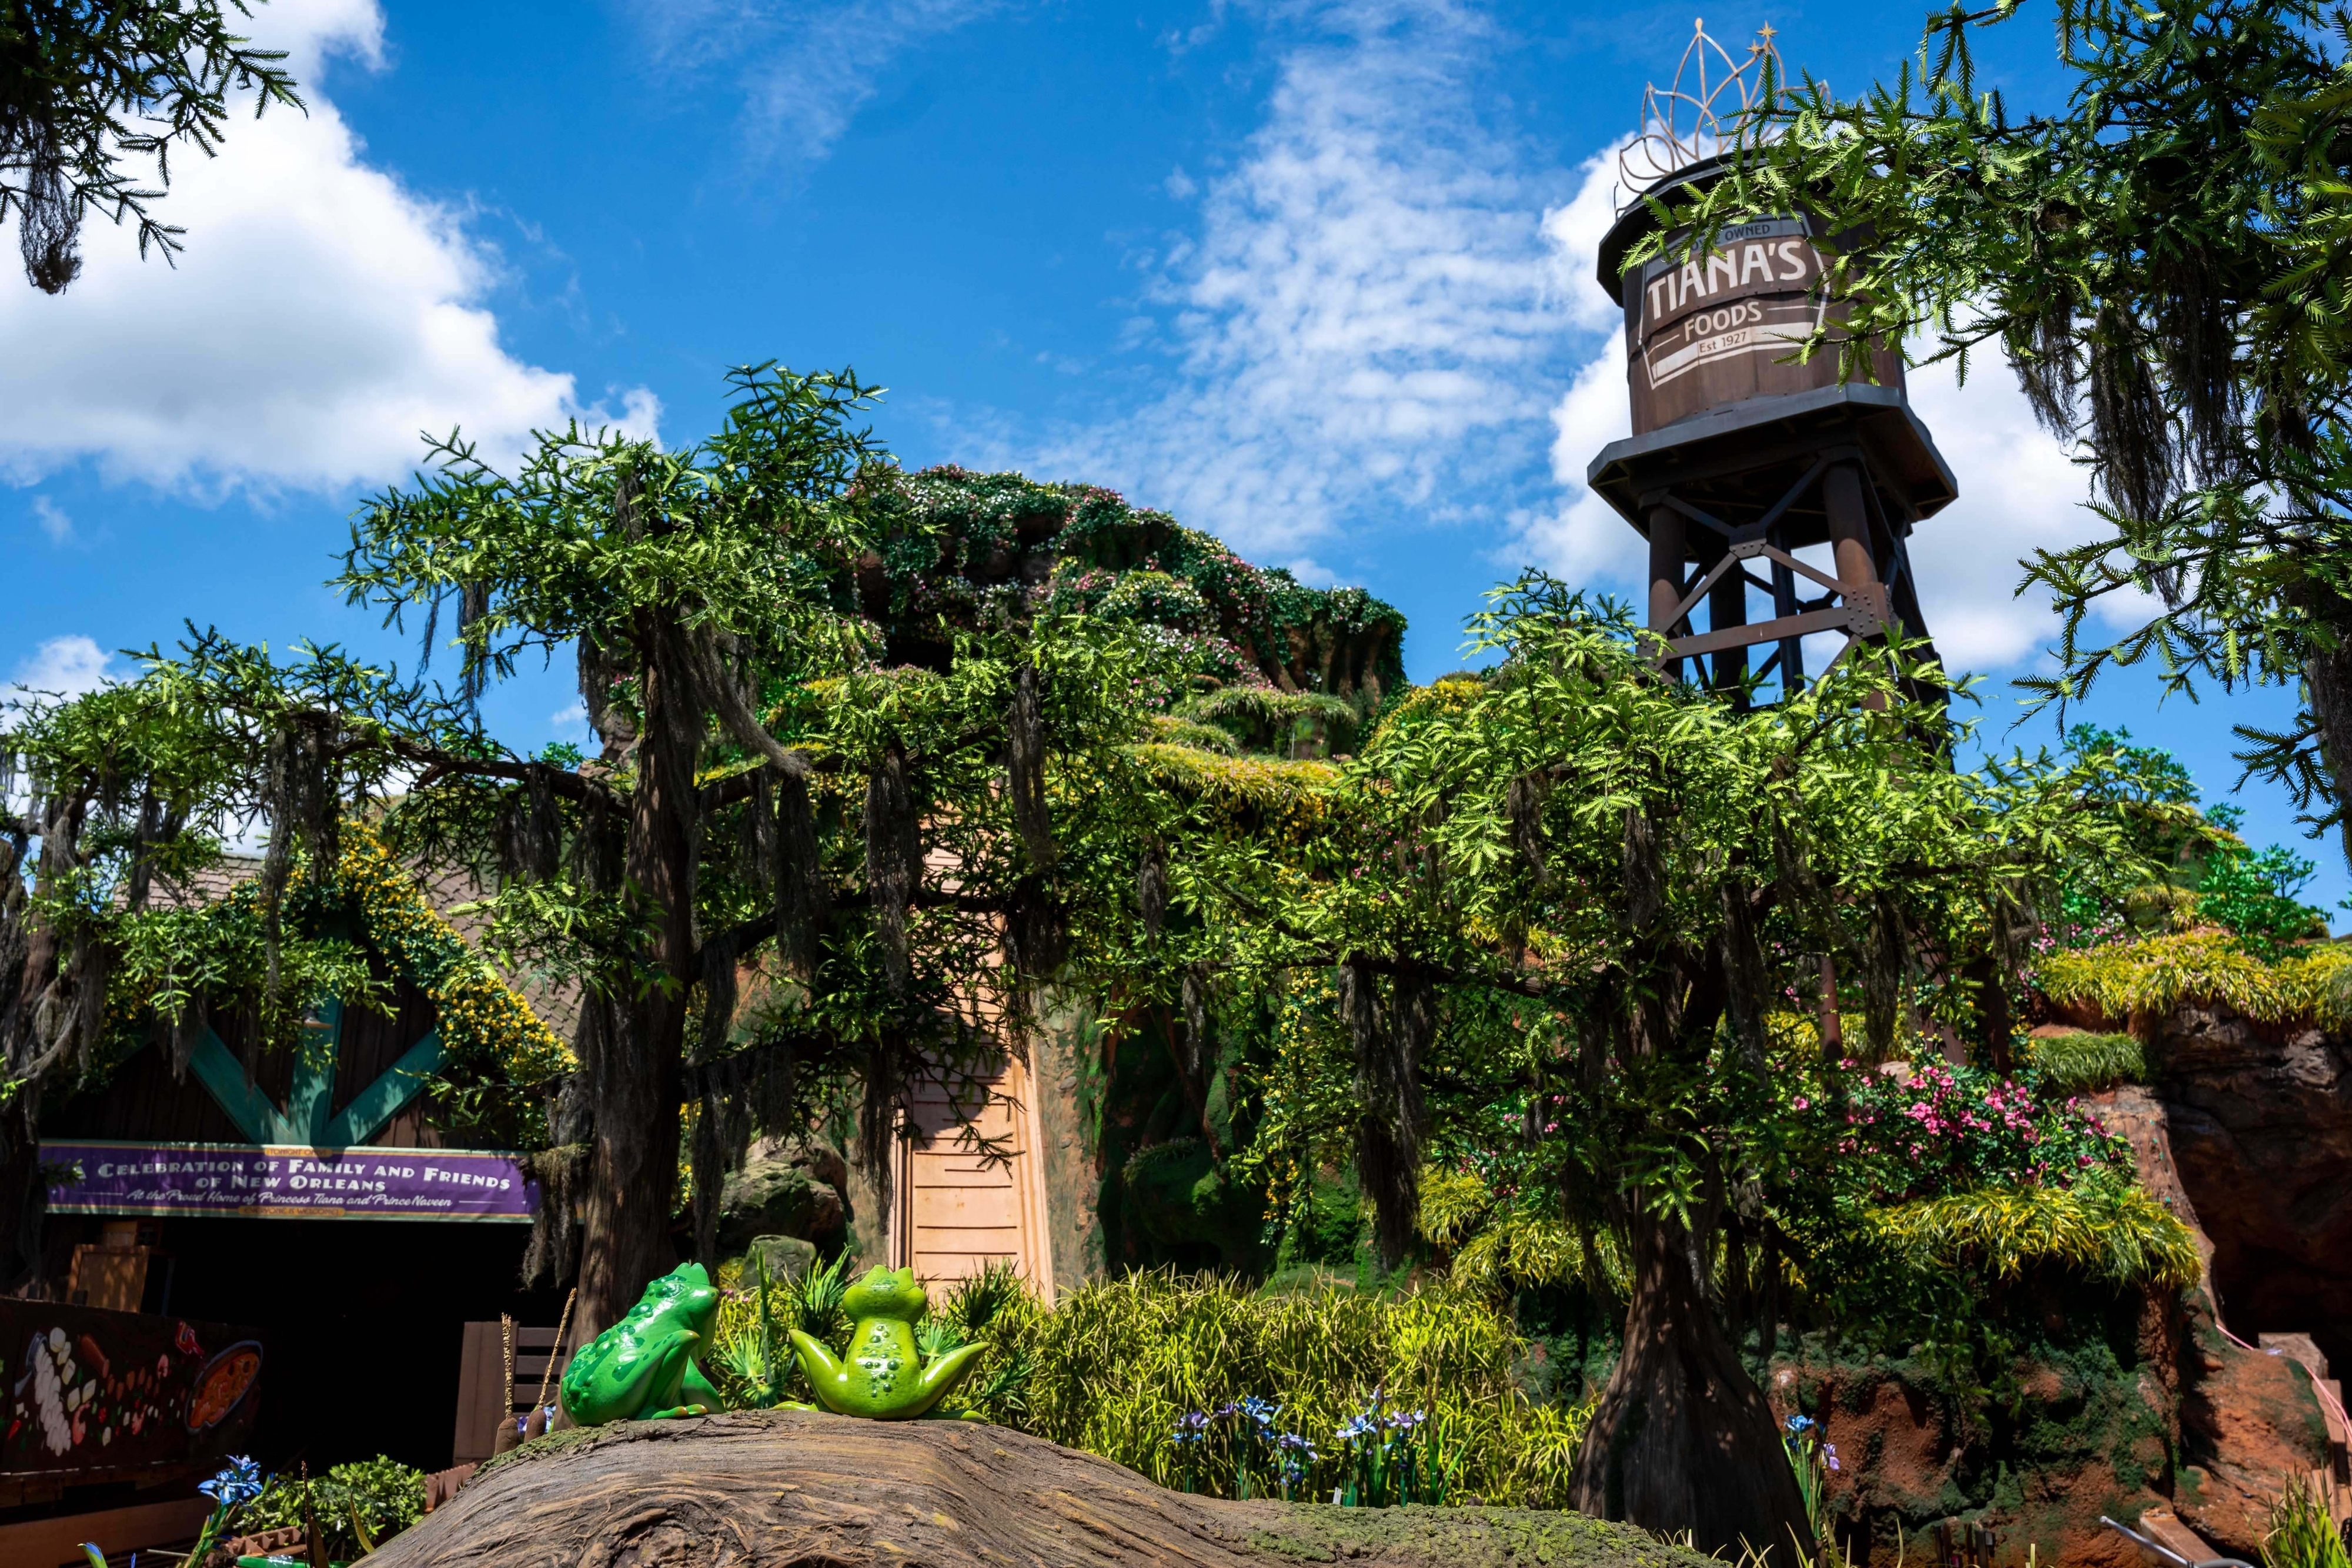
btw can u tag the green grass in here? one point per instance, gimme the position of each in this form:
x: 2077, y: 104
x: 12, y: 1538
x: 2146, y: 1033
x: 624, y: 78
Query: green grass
x: 2102, y: 1230
x: 2085, y: 1063
x: 1113, y: 1365
x: 1116, y: 1363
x: 2303, y: 1533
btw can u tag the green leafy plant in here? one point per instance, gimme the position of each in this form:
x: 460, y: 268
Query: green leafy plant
x: 2303, y: 1533
x: 1120, y: 1367
x: 2250, y: 893
x: 2083, y: 1064
x: 1812, y: 1459
x: 749, y: 1353
x: 358, y: 1506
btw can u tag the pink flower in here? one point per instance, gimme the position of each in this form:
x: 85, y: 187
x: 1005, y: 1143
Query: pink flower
x: 1802, y: 1104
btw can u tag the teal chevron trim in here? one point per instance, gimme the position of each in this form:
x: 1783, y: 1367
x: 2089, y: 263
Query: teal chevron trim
x: 311, y: 1098
x: 309, y: 1119
x: 381, y: 1101
x: 246, y: 1106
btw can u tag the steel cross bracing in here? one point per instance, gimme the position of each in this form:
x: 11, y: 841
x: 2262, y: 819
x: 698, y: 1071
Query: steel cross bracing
x: 1874, y: 593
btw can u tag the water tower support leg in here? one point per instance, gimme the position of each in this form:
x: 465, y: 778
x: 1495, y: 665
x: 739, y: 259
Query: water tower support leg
x: 1792, y: 649
x: 1727, y: 606
x: 1666, y: 529
x: 1849, y: 525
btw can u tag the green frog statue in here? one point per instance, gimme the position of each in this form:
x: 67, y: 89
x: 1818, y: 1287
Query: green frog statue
x: 881, y: 1375
x: 642, y: 1368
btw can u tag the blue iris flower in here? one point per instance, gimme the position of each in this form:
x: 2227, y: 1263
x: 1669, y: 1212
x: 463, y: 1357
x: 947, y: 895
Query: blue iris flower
x: 238, y: 1482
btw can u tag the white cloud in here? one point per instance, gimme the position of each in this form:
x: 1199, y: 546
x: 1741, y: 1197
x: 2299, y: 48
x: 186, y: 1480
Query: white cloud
x: 804, y: 69
x: 1578, y: 536
x: 54, y: 521
x: 2018, y: 493
x: 321, y: 315
x: 62, y: 666
x: 1371, y: 318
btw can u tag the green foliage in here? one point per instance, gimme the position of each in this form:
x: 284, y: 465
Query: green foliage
x: 2252, y: 893
x: 1264, y: 719
x: 83, y: 87
x: 750, y: 1359
x: 386, y: 1497
x: 2164, y: 263
x: 2085, y: 1063
x: 2302, y: 1531
x: 955, y: 537
x: 2155, y: 802
x: 2159, y: 973
x: 2103, y: 1229
x: 1498, y: 1248
x: 1199, y: 736
x: 1116, y: 1365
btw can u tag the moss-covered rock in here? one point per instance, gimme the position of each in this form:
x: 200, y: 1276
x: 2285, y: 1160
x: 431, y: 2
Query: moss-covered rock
x: 2079, y: 1430
x: 1462, y: 1538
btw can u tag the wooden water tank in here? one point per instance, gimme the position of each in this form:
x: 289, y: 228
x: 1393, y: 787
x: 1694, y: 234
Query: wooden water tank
x: 1710, y: 379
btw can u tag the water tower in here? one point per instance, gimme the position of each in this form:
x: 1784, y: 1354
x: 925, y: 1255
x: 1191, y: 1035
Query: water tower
x: 1739, y: 459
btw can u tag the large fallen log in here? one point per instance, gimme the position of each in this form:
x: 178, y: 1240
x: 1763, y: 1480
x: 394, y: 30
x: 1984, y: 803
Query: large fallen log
x: 785, y: 1489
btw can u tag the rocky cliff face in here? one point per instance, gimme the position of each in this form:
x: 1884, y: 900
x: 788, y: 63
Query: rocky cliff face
x: 2260, y: 1123
x: 2166, y: 1414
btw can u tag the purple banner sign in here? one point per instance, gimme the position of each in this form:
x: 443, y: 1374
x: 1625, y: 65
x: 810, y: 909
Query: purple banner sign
x: 241, y: 1180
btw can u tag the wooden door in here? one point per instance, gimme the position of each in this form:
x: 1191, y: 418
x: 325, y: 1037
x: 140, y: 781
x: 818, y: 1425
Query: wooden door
x: 968, y: 1199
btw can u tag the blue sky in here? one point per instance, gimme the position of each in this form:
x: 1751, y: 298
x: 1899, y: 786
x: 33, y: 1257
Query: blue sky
x: 1315, y: 278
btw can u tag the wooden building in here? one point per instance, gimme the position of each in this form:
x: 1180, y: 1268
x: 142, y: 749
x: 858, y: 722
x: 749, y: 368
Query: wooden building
x: 359, y: 1285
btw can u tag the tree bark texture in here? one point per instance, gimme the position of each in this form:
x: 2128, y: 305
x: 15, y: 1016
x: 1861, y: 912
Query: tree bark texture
x: 786, y: 1490
x: 634, y: 1079
x: 1683, y: 1439
x: 39, y: 1013
x: 2327, y: 673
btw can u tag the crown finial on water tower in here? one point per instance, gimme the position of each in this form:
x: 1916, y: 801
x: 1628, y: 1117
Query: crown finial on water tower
x: 1709, y: 108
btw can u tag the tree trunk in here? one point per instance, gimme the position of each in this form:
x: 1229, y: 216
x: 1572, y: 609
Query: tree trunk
x: 23, y: 1200
x: 38, y: 1014
x: 2327, y: 673
x: 1683, y: 1439
x: 780, y: 1488
x: 635, y: 1089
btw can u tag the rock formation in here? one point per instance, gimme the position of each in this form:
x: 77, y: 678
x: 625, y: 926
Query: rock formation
x: 2261, y: 1121
x: 788, y: 1189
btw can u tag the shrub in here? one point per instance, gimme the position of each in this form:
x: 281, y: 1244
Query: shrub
x: 2252, y: 893
x: 386, y: 1496
x: 2102, y: 1230
x: 2085, y: 1063
x: 1941, y: 1129
x: 1116, y: 1365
